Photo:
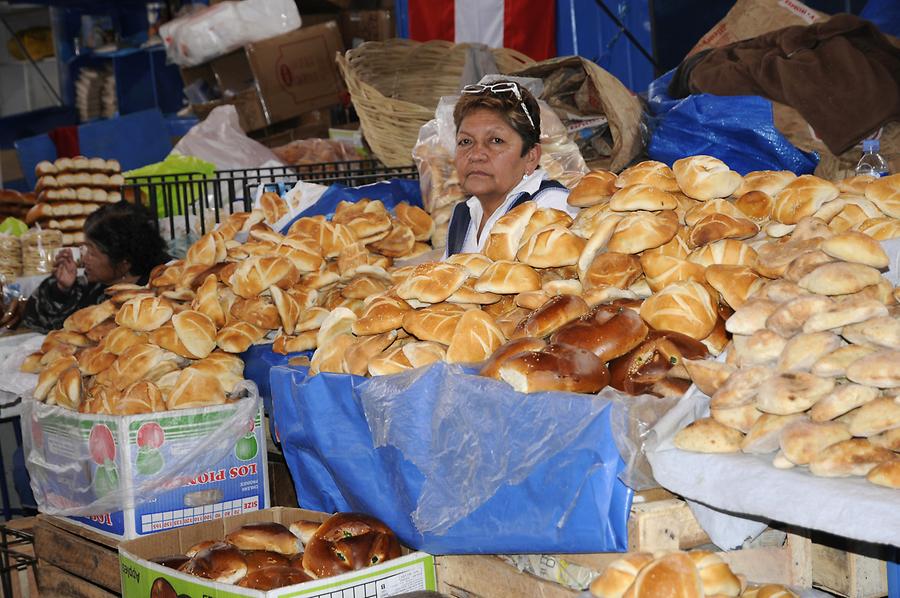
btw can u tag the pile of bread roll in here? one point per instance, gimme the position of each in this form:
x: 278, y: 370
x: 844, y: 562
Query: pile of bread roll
x: 694, y: 574
x: 813, y: 371
x: 266, y: 556
x: 39, y: 250
x: 173, y: 343
x: 14, y: 204
x: 69, y: 190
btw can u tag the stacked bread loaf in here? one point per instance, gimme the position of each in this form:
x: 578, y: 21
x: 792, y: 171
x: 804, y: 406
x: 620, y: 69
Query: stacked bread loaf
x: 69, y: 190
x: 171, y: 344
x: 813, y: 371
x: 694, y: 574
x: 10, y: 257
x: 14, y: 204
x: 266, y: 556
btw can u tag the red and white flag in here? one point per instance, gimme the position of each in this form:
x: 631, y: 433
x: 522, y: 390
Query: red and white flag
x: 528, y: 26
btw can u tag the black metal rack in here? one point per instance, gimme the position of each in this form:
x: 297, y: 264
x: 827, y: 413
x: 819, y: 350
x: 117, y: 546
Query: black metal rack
x: 12, y: 559
x: 173, y: 197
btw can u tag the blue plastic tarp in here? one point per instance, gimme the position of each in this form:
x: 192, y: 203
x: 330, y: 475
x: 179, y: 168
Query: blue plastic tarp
x: 739, y: 130
x: 456, y: 463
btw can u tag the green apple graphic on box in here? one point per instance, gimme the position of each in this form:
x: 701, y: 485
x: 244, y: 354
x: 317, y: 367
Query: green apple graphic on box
x: 246, y: 447
x: 103, y: 452
x: 150, y: 438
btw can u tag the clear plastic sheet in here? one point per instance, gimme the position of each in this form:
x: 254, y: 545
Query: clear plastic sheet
x: 204, y: 34
x: 87, y: 464
x: 220, y: 140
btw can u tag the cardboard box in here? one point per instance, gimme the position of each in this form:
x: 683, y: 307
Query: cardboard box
x: 138, y: 446
x: 409, y: 573
x: 358, y: 26
x: 277, y: 78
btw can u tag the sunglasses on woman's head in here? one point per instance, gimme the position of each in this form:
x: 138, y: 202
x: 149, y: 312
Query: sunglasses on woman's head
x: 504, y: 87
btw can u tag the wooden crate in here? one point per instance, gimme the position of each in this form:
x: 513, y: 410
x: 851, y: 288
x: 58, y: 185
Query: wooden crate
x: 74, y: 561
x: 658, y: 521
x: 849, y: 568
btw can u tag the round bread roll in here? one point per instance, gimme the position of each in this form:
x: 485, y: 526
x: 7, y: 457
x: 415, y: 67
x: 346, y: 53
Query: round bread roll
x: 237, y: 336
x: 854, y: 457
x: 391, y: 361
x: 476, y: 337
x: 619, y: 575
x: 418, y: 220
x: 802, y: 197
x: 491, y: 368
x: 551, y: 316
x: 89, y: 317
x: 506, y: 235
x: 673, y: 576
x: 551, y: 247
x: 607, y: 331
x: 432, y: 282
x: 144, y: 313
x: 372, y: 543
x: 886, y: 474
x: 663, y: 270
x: 685, y: 307
x: 612, y: 269
x: 706, y: 435
x: 639, y: 231
x: 726, y: 251
x: 839, y: 278
x: 436, y: 323
x: 756, y: 205
x: 474, y: 263
x: 595, y: 187
x: 735, y: 284
x: 555, y: 367
x: 802, y: 440
x: 714, y: 227
x: 716, y: 576
x: 705, y: 177
x: 195, y: 388
x: 885, y: 193
x: 790, y: 393
x: 196, y: 331
x: 542, y: 218
x: 650, y: 172
x: 642, y: 197
x: 876, y: 369
x: 860, y: 248
x: 508, y: 278
x: 769, y: 182
x: 708, y: 208
x: 588, y: 220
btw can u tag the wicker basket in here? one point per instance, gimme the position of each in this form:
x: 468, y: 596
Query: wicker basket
x: 396, y: 85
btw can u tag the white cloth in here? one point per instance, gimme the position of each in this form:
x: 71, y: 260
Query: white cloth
x: 550, y: 198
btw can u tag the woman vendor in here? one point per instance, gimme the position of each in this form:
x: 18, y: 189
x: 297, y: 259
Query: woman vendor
x: 498, y: 129
x: 122, y: 246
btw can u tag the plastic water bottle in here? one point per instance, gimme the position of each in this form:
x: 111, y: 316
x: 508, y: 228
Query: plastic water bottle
x: 872, y: 163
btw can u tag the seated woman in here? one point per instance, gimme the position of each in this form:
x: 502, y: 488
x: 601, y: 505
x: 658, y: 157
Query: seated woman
x: 498, y: 130
x: 122, y: 246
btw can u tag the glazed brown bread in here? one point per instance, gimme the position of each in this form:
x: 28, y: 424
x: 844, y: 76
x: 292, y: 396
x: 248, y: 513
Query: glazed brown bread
x: 220, y: 562
x: 491, y: 367
x: 551, y: 316
x: 555, y: 367
x: 348, y: 542
x: 607, y: 331
x: 265, y: 536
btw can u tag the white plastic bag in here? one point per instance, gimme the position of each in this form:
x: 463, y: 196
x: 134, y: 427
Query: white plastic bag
x: 219, y: 29
x: 219, y: 139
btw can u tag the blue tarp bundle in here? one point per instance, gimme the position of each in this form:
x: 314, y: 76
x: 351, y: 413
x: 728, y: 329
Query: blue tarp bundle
x: 456, y: 463
x: 739, y: 130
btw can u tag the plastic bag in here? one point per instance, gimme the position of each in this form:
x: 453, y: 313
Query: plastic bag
x: 13, y: 226
x: 436, y: 147
x: 315, y: 151
x: 468, y: 464
x: 226, y: 26
x: 739, y: 130
x: 173, y: 165
x: 220, y: 140
x: 88, y: 464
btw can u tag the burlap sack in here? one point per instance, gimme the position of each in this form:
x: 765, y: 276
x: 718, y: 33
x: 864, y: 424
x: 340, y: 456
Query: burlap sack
x: 600, y: 94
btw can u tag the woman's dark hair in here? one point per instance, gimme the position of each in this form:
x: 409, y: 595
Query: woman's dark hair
x: 127, y: 231
x: 508, y: 106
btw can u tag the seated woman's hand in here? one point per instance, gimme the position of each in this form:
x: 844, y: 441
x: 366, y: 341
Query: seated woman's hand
x: 65, y: 270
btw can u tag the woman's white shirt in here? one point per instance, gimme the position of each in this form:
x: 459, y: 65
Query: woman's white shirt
x: 548, y: 198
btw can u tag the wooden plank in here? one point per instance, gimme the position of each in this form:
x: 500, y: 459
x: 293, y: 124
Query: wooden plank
x: 848, y: 574
x: 471, y: 576
x: 53, y: 581
x: 92, y: 561
x: 80, y: 530
x: 666, y: 524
